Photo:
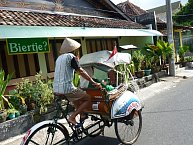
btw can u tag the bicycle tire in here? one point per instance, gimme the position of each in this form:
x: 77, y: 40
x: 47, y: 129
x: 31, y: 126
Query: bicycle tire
x: 128, y: 123
x: 38, y: 138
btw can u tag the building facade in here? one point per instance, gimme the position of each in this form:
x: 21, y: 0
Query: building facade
x: 31, y: 32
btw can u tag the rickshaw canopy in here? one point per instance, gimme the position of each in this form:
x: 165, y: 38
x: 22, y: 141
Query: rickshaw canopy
x: 100, y: 59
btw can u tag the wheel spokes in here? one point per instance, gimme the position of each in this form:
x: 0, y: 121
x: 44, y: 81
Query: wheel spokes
x: 128, y: 128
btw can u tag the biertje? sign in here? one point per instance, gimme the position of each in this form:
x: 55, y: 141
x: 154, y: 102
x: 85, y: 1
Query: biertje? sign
x: 27, y: 45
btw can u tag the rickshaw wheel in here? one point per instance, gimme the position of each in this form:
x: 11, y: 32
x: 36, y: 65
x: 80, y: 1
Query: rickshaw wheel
x: 94, y: 127
x: 49, y: 134
x: 128, y: 128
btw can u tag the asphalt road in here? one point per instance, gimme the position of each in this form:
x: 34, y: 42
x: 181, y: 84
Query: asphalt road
x: 167, y: 116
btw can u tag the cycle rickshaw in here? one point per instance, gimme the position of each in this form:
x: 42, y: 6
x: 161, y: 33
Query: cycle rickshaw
x: 117, y: 106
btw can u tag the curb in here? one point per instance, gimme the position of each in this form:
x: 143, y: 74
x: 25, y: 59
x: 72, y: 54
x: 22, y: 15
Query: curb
x: 149, y: 80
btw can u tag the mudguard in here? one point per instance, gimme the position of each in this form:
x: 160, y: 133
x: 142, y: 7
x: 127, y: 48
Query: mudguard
x: 31, y: 130
x: 124, y: 105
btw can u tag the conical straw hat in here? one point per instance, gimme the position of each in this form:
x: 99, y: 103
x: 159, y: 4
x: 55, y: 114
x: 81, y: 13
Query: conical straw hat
x: 69, y: 45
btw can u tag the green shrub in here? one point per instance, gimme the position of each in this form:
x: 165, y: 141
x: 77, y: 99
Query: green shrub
x: 3, y: 84
x: 40, y: 91
x: 182, y: 51
x: 137, y: 58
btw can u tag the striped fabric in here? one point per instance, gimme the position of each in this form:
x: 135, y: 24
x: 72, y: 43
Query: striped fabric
x: 63, y: 76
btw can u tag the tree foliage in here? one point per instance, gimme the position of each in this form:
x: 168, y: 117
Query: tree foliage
x: 185, y: 15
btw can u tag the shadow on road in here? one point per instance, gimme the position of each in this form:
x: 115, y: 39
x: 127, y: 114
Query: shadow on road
x: 100, y: 140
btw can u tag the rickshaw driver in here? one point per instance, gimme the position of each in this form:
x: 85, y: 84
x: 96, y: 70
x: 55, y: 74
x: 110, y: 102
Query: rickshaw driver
x: 65, y: 66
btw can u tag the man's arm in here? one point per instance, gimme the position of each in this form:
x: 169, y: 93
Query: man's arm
x: 85, y: 75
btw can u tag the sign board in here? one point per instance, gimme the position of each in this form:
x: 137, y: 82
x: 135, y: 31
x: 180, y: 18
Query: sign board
x: 27, y: 45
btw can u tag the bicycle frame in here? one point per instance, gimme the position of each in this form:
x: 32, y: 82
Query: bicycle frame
x: 121, y: 106
x: 75, y: 131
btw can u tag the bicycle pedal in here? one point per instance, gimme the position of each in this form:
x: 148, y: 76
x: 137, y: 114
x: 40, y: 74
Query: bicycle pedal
x: 77, y: 136
x: 75, y: 139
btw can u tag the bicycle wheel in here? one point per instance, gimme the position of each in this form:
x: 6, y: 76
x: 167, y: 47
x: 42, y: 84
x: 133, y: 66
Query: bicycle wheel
x: 48, y: 134
x: 94, y: 126
x: 128, y: 128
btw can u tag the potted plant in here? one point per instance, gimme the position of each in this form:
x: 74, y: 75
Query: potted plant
x: 181, y: 52
x: 17, y: 102
x: 148, y: 65
x: 153, y: 52
x: 138, y: 58
x: 3, y: 84
x: 189, y: 61
x: 42, y: 92
x: 11, y: 113
x: 166, y: 52
x: 37, y: 94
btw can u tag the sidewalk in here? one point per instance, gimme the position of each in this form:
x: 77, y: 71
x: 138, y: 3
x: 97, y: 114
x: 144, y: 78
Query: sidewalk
x: 184, y: 72
x: 165, y: 83
x: 144, y: 93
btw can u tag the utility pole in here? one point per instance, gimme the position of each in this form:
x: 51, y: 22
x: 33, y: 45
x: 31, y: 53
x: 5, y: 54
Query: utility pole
x: 172, y: 71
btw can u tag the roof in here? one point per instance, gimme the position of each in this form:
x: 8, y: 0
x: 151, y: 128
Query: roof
x: 162, y: 9
x: 86, y: 7
x: 132, y: 10
x: 88, y: 13
x: 32, y: 18
x: 32, y: 23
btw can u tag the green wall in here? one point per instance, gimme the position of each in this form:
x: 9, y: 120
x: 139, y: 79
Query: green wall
x: 138, y: 41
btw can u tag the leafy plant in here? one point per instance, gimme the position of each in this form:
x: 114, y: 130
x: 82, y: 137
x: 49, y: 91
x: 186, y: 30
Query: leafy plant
x: 166, y: 50
x: 182, y: 51
x: 186, y: 11
x: 11, y: 111
x: 148, y: 61
x: 131, y: 68
x: 17, y: 101
x: 137, y: 58
x: 40, y: 91
x: 3, y: 84
x: 189, y: 59
x: 153, y: 52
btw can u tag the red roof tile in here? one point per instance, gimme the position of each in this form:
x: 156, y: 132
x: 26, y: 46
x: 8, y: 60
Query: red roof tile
x: 46, y: 19
x: 132, y: 10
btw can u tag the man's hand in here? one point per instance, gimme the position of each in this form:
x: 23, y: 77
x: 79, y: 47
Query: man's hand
x: 97, y: 85
x: 84, y: 74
